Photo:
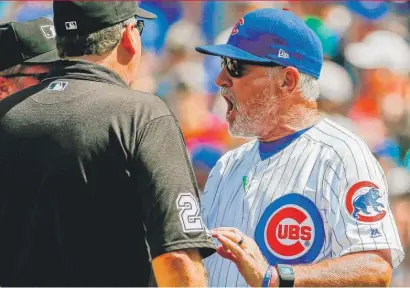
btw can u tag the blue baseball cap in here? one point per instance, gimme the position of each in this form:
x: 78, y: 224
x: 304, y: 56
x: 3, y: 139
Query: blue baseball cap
x: 272, y: 36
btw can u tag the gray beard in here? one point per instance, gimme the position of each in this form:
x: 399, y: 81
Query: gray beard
x: 254, y: 124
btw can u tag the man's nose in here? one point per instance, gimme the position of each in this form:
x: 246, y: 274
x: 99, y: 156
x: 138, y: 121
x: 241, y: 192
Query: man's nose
x: 223, y: 79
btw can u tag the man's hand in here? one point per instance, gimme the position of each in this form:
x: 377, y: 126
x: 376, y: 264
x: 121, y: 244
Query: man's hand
x: 247, y: 256
x: 367, y: 268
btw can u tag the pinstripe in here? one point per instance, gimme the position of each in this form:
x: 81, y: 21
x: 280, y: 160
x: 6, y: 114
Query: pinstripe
x: 234, y: 195
x: 257, y: 191
x: 273, y: 174
x: 322, y: 189
x: 303, y: 165
x: 311, y: 171
x: 344, y: 223
x: 367, y: 165
x: 221, y: 193
x: 337, y: 197
x: 296, y: 164
x: 290, y: 157
x: 357, y: 171
x: 219, y: 183
x: 392, y: 222
x: 331, y: 209
x: 359, y: 143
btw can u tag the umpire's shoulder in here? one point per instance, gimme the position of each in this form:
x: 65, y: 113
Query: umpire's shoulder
x: 141, y: 106
x: 148, y: 102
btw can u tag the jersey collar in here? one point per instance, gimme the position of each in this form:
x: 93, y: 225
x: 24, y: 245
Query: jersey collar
x: 268, y: 149
x: 84, y: 70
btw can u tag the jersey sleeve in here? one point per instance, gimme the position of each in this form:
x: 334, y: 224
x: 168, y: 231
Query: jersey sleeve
x: 360, y: 217
x: 171, y: 208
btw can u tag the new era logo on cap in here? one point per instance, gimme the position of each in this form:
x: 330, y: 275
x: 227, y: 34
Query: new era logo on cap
x: 283, y: 54
x: 48, y: 31
x: 72, y: 25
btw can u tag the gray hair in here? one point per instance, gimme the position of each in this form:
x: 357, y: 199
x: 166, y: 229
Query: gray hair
x: 96, y: 43
x: 308, y: 85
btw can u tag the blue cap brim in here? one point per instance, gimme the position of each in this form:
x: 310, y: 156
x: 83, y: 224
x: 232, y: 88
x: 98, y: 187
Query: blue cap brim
x: 227, y: 50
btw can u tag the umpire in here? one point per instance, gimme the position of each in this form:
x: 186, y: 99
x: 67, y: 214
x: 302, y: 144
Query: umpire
x: 96, y: 185
x: 28, y: 48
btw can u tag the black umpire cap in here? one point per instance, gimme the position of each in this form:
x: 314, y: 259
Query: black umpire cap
x: 83, y: 18
x: 31, y: 42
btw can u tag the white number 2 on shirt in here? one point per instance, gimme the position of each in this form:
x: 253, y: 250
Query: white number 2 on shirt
x: 189, y: 215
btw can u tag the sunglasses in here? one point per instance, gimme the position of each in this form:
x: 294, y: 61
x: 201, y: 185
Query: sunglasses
x: 140, y: 26
x: 236, y: 68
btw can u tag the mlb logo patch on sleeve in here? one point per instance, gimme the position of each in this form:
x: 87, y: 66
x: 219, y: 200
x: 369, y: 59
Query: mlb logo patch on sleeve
x: 57, y: 86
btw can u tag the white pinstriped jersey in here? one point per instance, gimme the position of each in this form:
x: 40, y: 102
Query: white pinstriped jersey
x: 322, y: 196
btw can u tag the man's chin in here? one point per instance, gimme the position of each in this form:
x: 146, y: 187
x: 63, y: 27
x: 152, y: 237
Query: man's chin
x: 239, y: 133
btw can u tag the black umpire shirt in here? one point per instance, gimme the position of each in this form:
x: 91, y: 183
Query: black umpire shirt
x: 95, y: 182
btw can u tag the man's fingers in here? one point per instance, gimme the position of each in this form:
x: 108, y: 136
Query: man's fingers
x: 226, y: 254
x: 228, y: 244
x: 234, y: 237
x: 228, y: 229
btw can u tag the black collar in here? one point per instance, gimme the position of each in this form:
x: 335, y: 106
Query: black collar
x: 83, y: 70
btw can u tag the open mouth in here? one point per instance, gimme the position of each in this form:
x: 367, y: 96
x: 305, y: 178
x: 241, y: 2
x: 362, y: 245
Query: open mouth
x: 230, y: 100
x: 229, y: 103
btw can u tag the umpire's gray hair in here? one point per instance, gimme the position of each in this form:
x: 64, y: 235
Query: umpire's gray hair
x: 97, y: 43
x: 308, y: 85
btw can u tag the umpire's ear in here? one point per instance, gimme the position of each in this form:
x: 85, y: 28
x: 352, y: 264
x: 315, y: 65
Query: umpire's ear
x: 129, y: 39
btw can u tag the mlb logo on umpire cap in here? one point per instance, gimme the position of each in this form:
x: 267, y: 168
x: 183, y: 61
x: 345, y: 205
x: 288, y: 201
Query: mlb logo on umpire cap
x: 48, y: 31
x: 71, y: 25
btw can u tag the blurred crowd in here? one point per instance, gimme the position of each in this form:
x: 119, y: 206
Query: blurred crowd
x: 365, y: 83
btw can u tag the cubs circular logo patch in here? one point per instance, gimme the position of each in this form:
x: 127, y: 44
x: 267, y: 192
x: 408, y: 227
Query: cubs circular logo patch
x: 290, y: 231
x: 365, y: 203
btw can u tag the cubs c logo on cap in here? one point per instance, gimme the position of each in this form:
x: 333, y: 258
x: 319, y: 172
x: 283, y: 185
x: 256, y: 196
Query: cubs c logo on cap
x: 365, y: 202
x: 235, y: 29
x: 290, y: 231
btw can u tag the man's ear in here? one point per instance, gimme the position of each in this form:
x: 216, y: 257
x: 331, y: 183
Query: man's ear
x: 127, y: 40
x: 290, y: 80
